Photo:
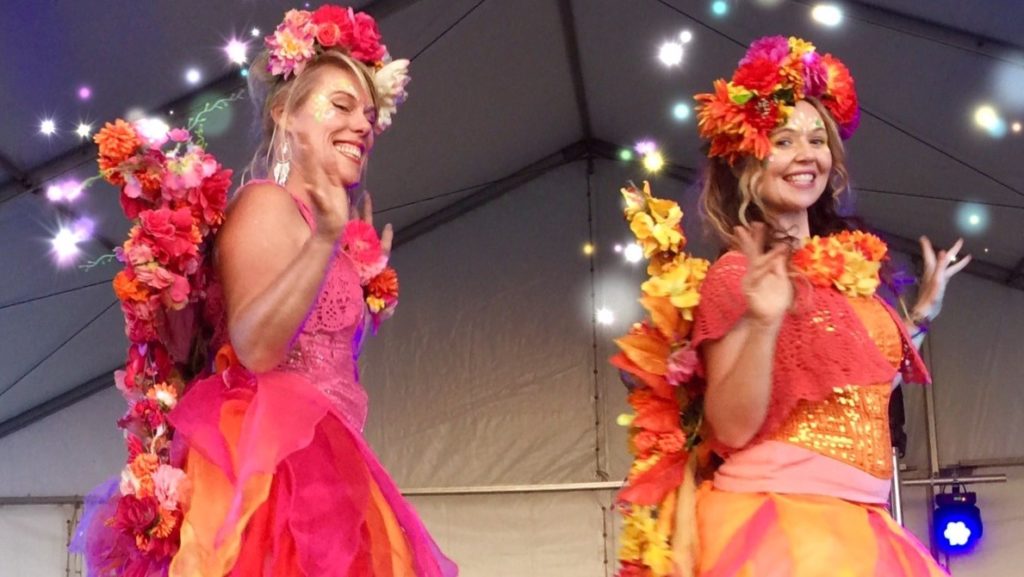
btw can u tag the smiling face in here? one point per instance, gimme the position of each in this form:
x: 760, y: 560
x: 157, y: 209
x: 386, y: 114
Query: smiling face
x: 333, y: 127
x: 800, y: 164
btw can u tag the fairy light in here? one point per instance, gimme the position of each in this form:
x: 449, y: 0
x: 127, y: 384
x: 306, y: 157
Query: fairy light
x: 255, y: 32
x: 671, y: 54
x: 987, y: 117
x: 625, y: 155
x: 84, y: 93
x: 237, y: 51
x: 588, y: 249
x: 827, y: 14
x: 654, y: 161
x: 681, y: 111
x: 685, y: 36
x: 83, y: 130
x: 1016, y: 127
x: 719, y: 8
x: 193, y: 76
x: 644, y: 147
x: 633, y: 253
x: 54, y: 193
x: 152, y: 129
x: 65, y: 245
x: 48, y: 127
x: 604, y: 316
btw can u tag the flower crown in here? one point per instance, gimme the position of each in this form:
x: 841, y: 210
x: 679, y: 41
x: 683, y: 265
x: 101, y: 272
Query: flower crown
x: 303, y: 35
x: 741, y: 114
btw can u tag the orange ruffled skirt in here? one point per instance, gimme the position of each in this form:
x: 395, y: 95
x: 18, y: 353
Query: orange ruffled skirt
x: 283, y: 487
x: 776, y: 535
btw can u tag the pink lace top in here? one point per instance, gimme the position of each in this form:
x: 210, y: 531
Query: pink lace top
x: 326, y: 348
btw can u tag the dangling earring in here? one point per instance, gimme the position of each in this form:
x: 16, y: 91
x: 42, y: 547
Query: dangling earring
x: 283, y: 164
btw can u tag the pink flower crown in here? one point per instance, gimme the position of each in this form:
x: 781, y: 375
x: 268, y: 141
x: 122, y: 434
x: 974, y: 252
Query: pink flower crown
x: 740, y: 115
x: 303, y: 35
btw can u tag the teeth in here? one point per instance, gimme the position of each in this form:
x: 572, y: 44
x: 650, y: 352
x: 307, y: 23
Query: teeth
x: 349, y: 151
x: 800, y: 178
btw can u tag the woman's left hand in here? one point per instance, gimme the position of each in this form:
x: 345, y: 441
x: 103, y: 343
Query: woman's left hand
x: 387, y: 236
x: 938, y: 269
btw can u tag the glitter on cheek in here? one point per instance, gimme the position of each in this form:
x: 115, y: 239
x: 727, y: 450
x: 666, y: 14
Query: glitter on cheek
x: 322, y: 109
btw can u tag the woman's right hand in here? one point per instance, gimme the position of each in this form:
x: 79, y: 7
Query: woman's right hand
x: 766, y: 284
x: 329, y: 199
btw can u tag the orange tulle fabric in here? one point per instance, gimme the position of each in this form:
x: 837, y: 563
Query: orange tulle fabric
x: 769, y: 535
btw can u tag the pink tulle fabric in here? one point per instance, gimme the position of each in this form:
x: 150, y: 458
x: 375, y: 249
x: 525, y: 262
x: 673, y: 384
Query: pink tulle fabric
x: 300, y: 426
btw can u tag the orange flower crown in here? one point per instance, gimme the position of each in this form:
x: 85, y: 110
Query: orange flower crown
x: 740, y: 115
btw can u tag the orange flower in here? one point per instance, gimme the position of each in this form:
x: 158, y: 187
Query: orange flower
x: 384, y: 285
x: 107, y: 169
x: 144, y: 465
x: 165, y: 394
x: 168, y: 520
x: 117, y: 142
x: 128, y: 289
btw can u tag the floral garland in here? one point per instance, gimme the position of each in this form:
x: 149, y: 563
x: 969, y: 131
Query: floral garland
x: 303, y: 35
x: 740, y: 115
x: 379, y: 281
x: 175, y: 194
x: 848, y: 261
x: 658, y: 367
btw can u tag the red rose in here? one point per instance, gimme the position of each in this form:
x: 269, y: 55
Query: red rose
x: 365, y: 45
x: 211, y: 197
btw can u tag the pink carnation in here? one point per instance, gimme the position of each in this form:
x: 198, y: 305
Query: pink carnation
x: 773, y: 48
x: 681, y: 365
x: 815, y: 74
x: 365, y: 44
x: 361, y: 244
x: 172, y: 235
x: 171, y: 487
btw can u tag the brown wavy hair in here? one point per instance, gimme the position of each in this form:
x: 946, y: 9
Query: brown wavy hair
x: 729, y: 195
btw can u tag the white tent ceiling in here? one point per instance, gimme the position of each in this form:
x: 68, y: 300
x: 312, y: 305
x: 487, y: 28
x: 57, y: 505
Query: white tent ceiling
x: 500, y: 88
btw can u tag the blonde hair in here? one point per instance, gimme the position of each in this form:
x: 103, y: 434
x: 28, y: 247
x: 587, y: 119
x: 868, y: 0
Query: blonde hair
x: 730, y: 194
x: 268, y: 92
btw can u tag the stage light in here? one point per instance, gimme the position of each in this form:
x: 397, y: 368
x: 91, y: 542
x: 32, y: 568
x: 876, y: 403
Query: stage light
x: 957, y: 521
x: 828, y: 14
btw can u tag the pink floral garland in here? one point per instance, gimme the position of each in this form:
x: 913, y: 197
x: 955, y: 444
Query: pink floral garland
x: 175, y: 193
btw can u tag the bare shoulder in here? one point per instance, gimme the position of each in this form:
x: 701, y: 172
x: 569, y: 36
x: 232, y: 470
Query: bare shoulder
x: 261, y: 212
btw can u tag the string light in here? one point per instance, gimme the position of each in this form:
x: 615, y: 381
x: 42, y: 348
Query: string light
x: 685, y: 36
x: 719, y: 7
x: 1016, y: 127
x: 644, y: 147
x: 255, y: 32
x: 987, y: 117
x: 84, y: 130
x: 84, y: 93
x: 65, y: 245
x: 681, y: 111
x: 48, y: 127
x: 193, y: 76
x: 588, y: 249
x: 625, y: 155
x: 604, y: 316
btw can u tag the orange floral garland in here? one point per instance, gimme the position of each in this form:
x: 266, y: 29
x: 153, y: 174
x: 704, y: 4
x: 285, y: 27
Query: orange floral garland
x: 849, y: 261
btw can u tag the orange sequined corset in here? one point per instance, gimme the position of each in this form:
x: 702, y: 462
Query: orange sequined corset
x: 852, y: 425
